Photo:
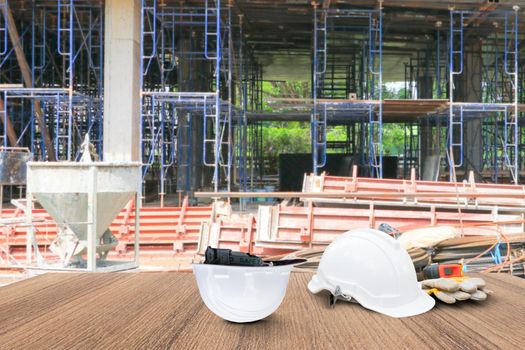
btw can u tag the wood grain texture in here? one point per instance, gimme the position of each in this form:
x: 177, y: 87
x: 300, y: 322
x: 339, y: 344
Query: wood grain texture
x: 164, y: 310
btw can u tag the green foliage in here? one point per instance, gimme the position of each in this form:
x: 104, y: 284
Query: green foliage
x: 291, y: 137
x: 394, y: 94
x: 336, y: 133
x: 393, y: 139
x: 284, y: 89
x: 294, y: 137
x: 394, y: 134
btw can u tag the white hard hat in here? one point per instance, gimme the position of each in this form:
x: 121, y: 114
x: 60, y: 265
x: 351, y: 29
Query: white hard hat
x: 371, y: 267
x: 242, y: 293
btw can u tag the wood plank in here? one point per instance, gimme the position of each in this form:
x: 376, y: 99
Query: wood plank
x: 163, y: 310
x: 350, y: 195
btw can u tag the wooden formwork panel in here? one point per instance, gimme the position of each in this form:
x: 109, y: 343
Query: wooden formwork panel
x: 164, y: 232
x: 348, y: 185
x: 237, y: 233
x: 294, y: 227
x: 228, y: 232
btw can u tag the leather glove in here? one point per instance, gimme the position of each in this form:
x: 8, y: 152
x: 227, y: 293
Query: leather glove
x: 450, y: 290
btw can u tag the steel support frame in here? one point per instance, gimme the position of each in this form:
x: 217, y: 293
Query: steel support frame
x: 73, y: 100
x: 506, y: 110
x: 371, y: 72
x: 55, y: 104
x: 159, y: 30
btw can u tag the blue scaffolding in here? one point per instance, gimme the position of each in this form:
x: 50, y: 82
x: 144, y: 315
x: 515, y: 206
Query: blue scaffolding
x: 63, y: 82
x: 172, y: 107
x: 498, y: 100
x: 363, y: 43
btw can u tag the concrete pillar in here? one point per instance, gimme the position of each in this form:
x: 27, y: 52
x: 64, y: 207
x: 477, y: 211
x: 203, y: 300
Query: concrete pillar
x: 469, y: 90
x: 122, y: 80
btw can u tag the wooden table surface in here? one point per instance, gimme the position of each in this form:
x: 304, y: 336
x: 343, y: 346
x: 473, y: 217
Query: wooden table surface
x: 164, y: 310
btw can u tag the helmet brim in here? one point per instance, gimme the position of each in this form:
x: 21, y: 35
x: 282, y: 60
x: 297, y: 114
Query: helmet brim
x: 315, y: 286
x: 421, y: 304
